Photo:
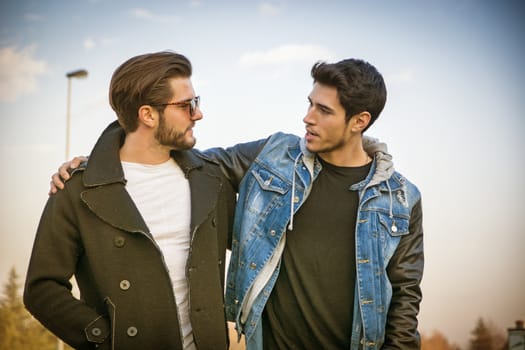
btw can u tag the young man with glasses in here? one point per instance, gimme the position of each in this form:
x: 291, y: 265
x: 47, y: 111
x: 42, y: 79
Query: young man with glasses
x: 336, y: 265
x: 143, y: 226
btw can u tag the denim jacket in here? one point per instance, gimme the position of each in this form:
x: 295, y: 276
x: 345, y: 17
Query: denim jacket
x: 273, y: 188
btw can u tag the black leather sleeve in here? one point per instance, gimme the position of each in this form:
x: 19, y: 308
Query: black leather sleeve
x: 405, y: 271
x: 235, y: 161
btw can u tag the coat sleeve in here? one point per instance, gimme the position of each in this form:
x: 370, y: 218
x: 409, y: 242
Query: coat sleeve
x: 235, y: 161
x: 47, y: 292
x: 405, y: 271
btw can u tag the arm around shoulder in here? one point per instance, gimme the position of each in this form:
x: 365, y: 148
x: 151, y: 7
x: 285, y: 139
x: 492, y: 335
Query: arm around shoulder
x: 235, y: 161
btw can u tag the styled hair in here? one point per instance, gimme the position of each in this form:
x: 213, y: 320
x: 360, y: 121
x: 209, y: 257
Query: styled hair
x: 144, y: 80
x: 360, y: 87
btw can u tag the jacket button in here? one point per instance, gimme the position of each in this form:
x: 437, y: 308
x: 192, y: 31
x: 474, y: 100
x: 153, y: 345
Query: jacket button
x: 96, y: 331
x: 272, y: 233
x: 125, y: 284
x: 119, y: 241
x: 213, y: 222
x: 132, y: 331
x: 296, y: 199
x: 253, y: 266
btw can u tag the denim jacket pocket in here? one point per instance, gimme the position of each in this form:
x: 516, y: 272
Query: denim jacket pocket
x: 269, y: 181
x: 392, y: 228
x: 395, y: 225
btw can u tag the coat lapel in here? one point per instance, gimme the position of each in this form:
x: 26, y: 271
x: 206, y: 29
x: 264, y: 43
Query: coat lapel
x: 204, y: 187
x: 112, y: 204
x: 205, y: 190
x: 106, y: 196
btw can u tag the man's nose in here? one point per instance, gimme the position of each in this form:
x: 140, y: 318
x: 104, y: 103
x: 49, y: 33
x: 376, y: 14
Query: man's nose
x: 197, y: 115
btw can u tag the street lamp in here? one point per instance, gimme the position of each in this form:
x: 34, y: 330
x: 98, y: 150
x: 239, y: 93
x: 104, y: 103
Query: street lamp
x: 80, y: 73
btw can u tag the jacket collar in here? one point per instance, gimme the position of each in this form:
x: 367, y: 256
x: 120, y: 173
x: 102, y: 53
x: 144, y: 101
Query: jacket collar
x: 105, y: 194
x: 104, y: 161
x: 384, y: 167
x: 104, y: 165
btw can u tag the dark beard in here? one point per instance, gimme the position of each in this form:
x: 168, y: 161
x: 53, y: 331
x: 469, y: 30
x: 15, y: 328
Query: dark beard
x: 174, y: 139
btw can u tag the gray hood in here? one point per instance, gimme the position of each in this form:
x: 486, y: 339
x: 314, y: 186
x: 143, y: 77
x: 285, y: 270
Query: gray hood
x: 374, y: 148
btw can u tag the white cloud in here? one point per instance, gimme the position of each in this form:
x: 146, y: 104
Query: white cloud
x: 195, y: 3
x: 141, y: 13
x: 89, y: 44
x: 291, y: 53
x: 268, y: 9
x: 19, y: 71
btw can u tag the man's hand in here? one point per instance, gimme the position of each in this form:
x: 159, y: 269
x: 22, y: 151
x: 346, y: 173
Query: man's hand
x: 58, y: 179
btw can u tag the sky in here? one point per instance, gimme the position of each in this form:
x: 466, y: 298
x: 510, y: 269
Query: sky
x: 454, y: 118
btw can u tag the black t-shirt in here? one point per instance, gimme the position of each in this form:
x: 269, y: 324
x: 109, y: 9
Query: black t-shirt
x: 311, y: 305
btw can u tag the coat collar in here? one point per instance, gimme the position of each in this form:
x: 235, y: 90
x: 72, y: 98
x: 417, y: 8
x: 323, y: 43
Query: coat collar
x: 106, y: 196
x: 383, y: 169
x: 104, y: 161
x: 104, y: 165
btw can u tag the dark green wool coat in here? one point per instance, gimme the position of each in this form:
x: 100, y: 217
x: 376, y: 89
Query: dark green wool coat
x: 93, y: 231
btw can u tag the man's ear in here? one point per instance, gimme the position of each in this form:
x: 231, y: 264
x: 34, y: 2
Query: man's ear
x: 361, y: 121
x: 148, y: 116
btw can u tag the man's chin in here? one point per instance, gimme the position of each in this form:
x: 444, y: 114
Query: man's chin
x: 310, y: 146
x: 189, y: 143
x: 181, y: 145
x: 192, y: 143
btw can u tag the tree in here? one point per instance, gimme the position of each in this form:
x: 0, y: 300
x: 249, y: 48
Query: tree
x: 18, y: 329
x: 437, y: 341
x: 486, y: 336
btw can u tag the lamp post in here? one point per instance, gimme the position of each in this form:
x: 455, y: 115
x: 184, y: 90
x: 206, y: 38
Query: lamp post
x: 80, y: 73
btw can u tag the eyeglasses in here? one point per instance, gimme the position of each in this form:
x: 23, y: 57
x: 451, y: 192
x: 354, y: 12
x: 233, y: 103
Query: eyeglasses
x: 193, y: 104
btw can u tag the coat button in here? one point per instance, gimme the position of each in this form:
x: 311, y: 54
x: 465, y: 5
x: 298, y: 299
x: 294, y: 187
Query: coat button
x: 272, y: 233
x: 253, y: 266
x: 132, y: 331
x: 125, y: 284
x: 119, y: 241
x: 96, y: 331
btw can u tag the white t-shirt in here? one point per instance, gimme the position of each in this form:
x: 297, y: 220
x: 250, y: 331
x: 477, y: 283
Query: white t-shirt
x: 162, y: 195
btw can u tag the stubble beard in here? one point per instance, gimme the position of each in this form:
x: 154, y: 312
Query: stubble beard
x: 173, y: 138
x: 327, y: 148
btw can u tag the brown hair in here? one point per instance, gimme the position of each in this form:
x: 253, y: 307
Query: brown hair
x: 144, y: 80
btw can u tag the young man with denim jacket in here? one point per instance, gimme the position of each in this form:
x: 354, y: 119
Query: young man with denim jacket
x: 338, y: 264
x: 327, y: 248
